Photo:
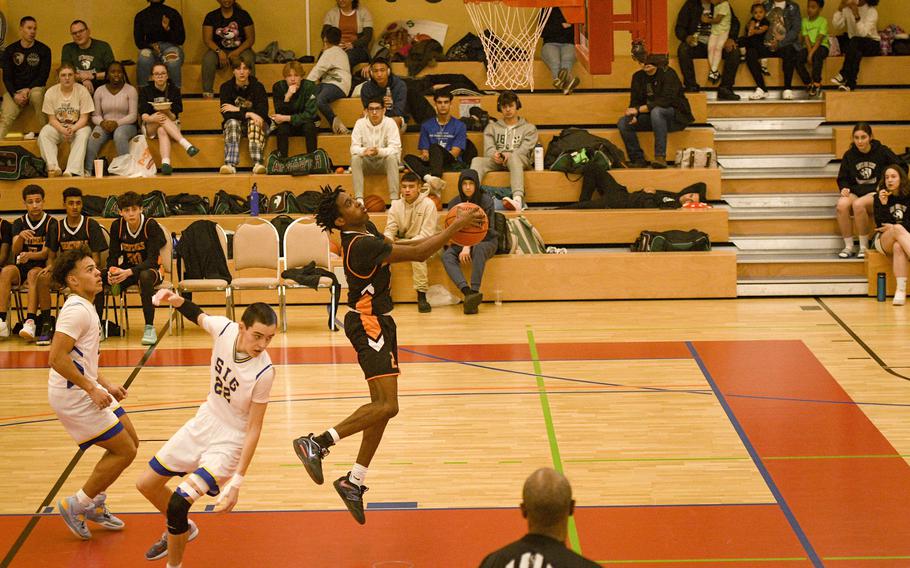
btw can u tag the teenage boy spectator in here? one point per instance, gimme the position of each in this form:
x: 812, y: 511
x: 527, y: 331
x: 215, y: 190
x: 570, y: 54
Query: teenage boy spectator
x: 693, y: 33
x: 657, y: 104
x: 74, y: 231
x: 356, y: 26
x: 413, y: 218
x: 162, y: 124
x: 116, y: 110
x: 375, y: 148
x: 134, y: 257
x: 333, y: 74
x: 781, y: 40
x: 159, y: 35
x: 295, y: 107
x: 390, y: 88
x: 245, y: 110
x: 28, y: 258
x: 68, y: 106
x: 455, y: 256
x: 815, y: 40
x: 860, y: 18
x: 507, y: 145
x: 229, y: 34
x: 547, y: 504
x: 558, y: 51
x: 442, y: 143
x: 26, y: 67
x: 90, y: 57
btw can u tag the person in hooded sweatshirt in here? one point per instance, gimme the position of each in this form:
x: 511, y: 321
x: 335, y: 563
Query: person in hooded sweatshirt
x: 507, y: 145
x: 413, y: 218
x: 860, y: 172
x: 375, y: 148
x: 469, y: 190
x: 613, y: 195
x: 245, y: 110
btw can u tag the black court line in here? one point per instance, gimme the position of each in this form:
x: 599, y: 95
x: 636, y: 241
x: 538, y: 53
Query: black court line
x: 27, y: 531
x: 858, y: 340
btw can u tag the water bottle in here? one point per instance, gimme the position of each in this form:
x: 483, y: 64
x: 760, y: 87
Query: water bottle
x: 254, y: 201
x: 882, y: 287
x: 538, y: 157
x: 388, y: 93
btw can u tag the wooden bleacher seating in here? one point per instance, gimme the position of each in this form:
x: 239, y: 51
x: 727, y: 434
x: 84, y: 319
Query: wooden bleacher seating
x: 896, y: 137
x: 867, y: 105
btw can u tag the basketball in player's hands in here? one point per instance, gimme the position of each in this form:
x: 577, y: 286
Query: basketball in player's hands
x: 474, y: 232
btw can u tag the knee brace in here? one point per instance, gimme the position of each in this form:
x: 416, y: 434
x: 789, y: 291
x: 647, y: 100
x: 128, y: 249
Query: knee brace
x: 178, y: 510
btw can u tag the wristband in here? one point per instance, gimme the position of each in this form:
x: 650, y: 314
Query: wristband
x: 235, y: 481
x: 190, y: 311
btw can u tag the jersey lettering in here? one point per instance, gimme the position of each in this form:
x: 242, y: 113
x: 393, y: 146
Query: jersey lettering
x: 223, y: 387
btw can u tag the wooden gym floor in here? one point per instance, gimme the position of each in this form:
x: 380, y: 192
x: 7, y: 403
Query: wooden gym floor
x: 766, y: 432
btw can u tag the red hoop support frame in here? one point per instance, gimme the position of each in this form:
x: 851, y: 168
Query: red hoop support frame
x: 648, y: 21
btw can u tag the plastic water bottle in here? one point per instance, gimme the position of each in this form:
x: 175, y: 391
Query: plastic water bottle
x: 254, y: 201
x: 388, y: 93
x: 538, y: 157
x: 882, y: 286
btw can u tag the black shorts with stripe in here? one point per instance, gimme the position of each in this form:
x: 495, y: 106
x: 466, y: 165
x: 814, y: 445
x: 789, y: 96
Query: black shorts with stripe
x: 375, y: 339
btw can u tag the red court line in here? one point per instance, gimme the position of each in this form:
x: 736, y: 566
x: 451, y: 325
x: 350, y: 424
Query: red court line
x: 425, y: 538
x: 850, y: 507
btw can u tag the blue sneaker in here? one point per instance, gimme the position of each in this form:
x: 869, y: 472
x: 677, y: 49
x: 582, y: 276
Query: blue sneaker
x: 74, y: 516
x: 149, y: 336
x: 100, y: 515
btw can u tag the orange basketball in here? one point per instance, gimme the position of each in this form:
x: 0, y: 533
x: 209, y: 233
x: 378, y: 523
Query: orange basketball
x: 335, y: 248
x: 374, y: 204
x: 470, y: 235
x: 435, y: 199
x: 339, y: 170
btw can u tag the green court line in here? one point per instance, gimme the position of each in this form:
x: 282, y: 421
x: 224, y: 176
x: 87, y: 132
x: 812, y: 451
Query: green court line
x: 551, y: 431
x: 703, y: 560
x: 454, y: 462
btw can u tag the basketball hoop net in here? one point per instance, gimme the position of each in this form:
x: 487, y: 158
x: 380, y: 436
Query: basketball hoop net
x: 509, y: 35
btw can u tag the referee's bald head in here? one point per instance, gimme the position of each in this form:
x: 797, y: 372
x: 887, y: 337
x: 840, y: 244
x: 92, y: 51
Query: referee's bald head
x: 546, y: 498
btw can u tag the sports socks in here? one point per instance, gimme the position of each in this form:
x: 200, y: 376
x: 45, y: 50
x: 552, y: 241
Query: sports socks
x: 184, y: 143
x: 902, y: 284
x: 863, y: 242
x: 83, y: 499
x: 358, y: 475
x: 327, y: 438
x: 848, y: 242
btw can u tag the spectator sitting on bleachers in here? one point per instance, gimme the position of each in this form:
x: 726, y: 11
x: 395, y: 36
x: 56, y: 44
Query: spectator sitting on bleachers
x: 860, y: 18
x: 333, y: 74
x: 507, y: 145
x: 442, y: 142
x: 245, y: 110
x: 860, y: 172
x: 413, y: 218
x: 26, y: 67
x: 558, y: 50
x: 781, y: 40
x: 162, y: 124
x: 375, y: 148
x: 390, y: 88
x: 469, y: 190
x: 892, y: 218
x: 693, y: 33
x: 116, y: 111
x: 6, y: 241
x: 754, y: 34
x: 356, y: 25
x: 613, y: 195
x: 68, y: 106
x: 228, y: 33
x: 295, y: 107
x: 159, y: 35
x: 90, y: 57
x: 815, y: 38
x: 657, y: 104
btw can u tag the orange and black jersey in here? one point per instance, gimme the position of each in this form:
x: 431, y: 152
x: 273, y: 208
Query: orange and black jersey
x: 41, y: 231
x: 140, y: 249
x: 369, y: 276
x: 86, y: 234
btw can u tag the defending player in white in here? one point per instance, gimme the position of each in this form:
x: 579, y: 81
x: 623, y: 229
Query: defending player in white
x: 87, y: 405
x: 216, y: 445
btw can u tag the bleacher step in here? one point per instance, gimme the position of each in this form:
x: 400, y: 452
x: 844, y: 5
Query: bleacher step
x: 778, y: 244
x: 776, y: 124
x: 826, y: 170
x: 778, y: 213
x: 809, y: 286
x: 768, y: 200
x: 772, y: 165
x: 751, y: 133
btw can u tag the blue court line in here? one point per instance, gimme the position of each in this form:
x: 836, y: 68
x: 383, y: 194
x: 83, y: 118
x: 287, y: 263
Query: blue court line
x: 391, y: 505
x: 766, y: 475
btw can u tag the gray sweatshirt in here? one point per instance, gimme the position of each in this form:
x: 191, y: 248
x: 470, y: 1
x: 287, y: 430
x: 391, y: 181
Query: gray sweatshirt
x: 519, y: 138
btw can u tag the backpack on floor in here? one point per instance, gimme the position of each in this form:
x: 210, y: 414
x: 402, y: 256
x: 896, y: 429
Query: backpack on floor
x: 667, y: 241
x: 573, y: 140
x: 696, y: 158
x: 229, y: 204
x: 93, y: 205
x: 154, y: 204
x: 317, y: 162
x: 111, y: 209
x: 283, y: 202
x: 187, y: 204
x: 525, y: 238
x: 503, y: 234
x: 18, y: 163
x: 308, y: 201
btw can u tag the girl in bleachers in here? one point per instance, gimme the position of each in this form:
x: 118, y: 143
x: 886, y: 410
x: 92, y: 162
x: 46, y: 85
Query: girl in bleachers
x: 160, y: 105
x: 892, y: 217
x: 116, y: 105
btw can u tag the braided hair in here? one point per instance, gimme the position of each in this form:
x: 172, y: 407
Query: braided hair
x: 327, y: 211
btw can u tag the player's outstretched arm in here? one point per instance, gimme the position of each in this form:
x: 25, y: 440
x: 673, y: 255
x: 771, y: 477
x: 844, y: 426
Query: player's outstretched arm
x: 231, y: 491
x: 423, y: 249
x: 189, y: 310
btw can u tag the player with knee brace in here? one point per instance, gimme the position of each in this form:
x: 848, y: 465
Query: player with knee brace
x: 214, y: 449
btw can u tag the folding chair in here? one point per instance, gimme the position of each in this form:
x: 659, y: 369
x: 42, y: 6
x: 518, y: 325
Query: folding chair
x: 256, y: 247
x: 305, y: 242
x: 208, y: 284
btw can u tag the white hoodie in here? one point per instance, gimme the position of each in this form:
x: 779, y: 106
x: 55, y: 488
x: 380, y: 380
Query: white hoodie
x: 416, y: 220
x: 866, y: 26
x: 384, y: 136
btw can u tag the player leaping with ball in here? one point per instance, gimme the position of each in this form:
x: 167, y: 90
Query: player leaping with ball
x: 216, y: 445
x: 370, y: 329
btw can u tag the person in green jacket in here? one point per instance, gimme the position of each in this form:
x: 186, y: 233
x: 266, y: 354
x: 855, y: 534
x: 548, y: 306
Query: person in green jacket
x: 295, y: 108
x: 90, y: 57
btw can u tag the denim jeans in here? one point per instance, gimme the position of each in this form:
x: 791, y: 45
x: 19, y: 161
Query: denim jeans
x: 121, y: 135
x: 659, y: 120
x: 172, y: 57
x: 558, y: 56
x: 326, y: 94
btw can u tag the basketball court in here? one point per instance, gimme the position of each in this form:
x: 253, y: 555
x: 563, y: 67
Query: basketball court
x: 728, y: 432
